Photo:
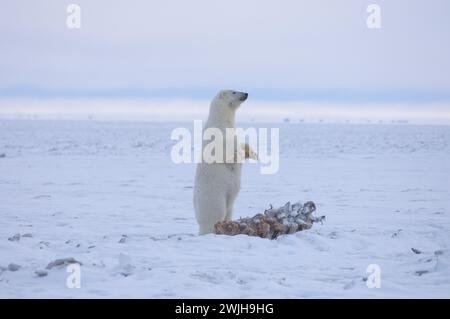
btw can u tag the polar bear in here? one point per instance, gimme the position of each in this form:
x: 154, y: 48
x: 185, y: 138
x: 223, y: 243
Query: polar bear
x: 217, y: 184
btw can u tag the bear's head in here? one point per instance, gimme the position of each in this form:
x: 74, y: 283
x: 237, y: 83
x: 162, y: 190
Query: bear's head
x: 230, y: 98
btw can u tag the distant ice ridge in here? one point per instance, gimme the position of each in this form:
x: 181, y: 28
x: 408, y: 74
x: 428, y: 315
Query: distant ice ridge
x: 253, y: 111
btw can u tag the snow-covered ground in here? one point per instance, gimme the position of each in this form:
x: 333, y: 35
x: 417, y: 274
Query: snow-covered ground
x: 108, y: 195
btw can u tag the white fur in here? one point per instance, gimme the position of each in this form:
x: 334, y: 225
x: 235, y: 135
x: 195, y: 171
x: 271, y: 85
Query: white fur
x: 217, y: 185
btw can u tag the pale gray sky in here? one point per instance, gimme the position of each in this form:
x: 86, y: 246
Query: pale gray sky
x: 317, y: 48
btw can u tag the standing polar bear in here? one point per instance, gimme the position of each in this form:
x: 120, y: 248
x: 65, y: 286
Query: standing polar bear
x: 217, y: 184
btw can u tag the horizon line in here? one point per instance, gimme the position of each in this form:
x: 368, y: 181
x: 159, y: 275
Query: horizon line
x: 319, y: 94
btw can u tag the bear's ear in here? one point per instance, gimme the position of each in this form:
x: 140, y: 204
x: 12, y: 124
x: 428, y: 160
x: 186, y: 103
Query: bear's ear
x: 222, y: 94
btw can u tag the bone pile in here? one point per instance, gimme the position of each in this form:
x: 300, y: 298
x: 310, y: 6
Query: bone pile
x: 274, y: 222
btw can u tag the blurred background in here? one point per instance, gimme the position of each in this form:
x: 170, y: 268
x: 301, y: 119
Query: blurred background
x: 300, y: 61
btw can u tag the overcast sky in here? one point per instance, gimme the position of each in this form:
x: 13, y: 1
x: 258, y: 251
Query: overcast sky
x: 291, y: 48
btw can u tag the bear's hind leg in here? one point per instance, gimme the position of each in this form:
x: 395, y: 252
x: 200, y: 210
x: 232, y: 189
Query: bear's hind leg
x: 210, y: 211
x: 206, y: 229
x: 230, y: 205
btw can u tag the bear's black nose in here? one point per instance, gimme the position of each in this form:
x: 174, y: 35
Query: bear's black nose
x: 244, y: 96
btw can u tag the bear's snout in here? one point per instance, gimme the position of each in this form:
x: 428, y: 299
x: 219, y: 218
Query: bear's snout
x: 244, y: 97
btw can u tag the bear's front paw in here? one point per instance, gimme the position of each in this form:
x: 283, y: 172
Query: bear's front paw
x: 249, y: 153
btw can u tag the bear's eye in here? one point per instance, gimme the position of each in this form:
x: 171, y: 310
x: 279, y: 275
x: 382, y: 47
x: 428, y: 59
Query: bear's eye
x: 234, y: 92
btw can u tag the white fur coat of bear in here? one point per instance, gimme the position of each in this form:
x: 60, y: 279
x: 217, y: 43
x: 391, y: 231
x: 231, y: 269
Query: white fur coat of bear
x: 217, y: 184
